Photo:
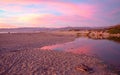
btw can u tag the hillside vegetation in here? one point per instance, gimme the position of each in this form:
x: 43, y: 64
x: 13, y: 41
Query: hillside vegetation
x: 114, y: 29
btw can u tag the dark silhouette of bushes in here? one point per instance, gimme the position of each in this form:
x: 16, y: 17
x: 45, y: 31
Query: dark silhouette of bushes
x: 114, y: 29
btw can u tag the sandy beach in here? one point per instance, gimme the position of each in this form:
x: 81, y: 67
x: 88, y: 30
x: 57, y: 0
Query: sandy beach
x: 20, y: 54
x: 19, y: 41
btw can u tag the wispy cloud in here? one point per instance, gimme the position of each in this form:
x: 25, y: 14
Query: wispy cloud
x: 37, y: 13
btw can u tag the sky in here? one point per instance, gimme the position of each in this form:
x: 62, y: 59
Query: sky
x: 59, y: 13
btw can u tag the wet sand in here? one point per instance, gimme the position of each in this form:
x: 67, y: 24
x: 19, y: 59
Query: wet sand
x: 20, y: 54
x: 22, y: 41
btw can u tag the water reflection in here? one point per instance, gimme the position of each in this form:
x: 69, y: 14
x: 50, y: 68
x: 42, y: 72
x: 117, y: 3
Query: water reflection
x: 106, y: 48
x: 115, y: 39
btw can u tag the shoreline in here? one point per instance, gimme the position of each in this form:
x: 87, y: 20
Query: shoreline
x: 21, y: 41
x: 22, y: 56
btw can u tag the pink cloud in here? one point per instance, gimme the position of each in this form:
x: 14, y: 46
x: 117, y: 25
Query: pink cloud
x: 11, y: 8
x: 50, y: 20
x: 5, y: 25
x: 69, y: 13
x: 84, y: 10
x: 36, y: 20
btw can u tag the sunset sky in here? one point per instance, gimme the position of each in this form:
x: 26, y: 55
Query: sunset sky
x: 59, y: 13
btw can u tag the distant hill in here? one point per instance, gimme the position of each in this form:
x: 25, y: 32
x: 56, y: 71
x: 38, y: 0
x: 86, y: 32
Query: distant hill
x: 112, y: 29
x: 46, y: 29
x: 21, y: 30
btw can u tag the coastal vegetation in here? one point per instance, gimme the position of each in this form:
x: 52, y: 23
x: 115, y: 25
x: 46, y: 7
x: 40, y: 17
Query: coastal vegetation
x: 114, y: 29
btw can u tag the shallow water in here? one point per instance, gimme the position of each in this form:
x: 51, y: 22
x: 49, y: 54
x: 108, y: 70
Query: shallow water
x: 106, y: 49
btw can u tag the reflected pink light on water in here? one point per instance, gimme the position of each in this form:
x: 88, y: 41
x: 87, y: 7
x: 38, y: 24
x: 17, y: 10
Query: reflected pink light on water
x: 105, y: 49
x: 84, y: 49
x: 50, y: 47
x: 79, y: 50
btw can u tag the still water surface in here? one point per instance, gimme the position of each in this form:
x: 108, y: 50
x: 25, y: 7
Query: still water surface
x: 107, y: 50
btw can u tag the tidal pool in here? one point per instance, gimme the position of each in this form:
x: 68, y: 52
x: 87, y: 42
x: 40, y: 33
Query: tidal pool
x: 106, y: 49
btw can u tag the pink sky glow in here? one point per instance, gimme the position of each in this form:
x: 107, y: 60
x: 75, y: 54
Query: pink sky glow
x: 58, y: 13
